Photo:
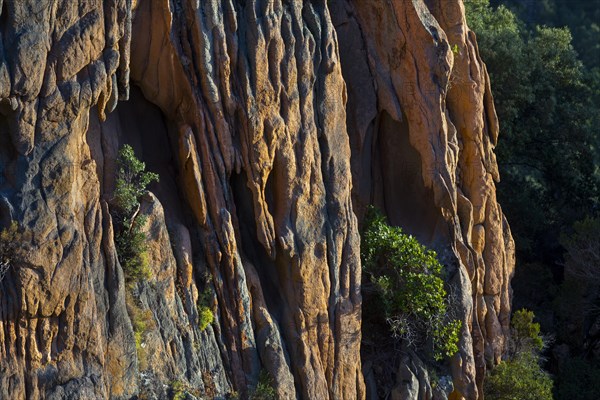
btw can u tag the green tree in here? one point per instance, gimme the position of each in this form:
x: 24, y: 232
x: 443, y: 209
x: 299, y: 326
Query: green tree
x: 408, y: 278
x: 525, y: 333
x: 521, y: 377
x: 580, y: 16
x: 131, y: 184
x: 549, y: 124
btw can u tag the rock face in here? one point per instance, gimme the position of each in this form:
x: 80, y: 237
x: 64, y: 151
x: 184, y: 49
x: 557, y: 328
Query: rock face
x: 422, y: 128
x: 269, y: 123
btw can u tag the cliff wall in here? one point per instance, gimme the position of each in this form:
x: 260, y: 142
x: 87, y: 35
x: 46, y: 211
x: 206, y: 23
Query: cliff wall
x: 422, y: 128
x: 269, y: 123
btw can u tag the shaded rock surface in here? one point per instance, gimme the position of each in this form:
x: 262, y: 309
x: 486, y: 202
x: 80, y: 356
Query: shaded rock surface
x: 269, y: 124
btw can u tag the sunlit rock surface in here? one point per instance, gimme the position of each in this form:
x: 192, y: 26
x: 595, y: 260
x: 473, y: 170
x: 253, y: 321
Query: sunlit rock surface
x: 270, y: 123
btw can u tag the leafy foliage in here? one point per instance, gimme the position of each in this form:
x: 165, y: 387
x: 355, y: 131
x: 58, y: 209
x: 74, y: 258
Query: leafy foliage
x: 264, y: 389
x: 525, y: 332
x: 10, y: 242
x: 408, y: 278
x: 548, y: 105
x: 131, y: 248
x: 545, y: 102
x: 178, y: 390
x: 580, y: 16
x: 142, y: 321
x: 205, y: 312
x: 521, y: 377
x: 205, y: 317
x: 131, y: 184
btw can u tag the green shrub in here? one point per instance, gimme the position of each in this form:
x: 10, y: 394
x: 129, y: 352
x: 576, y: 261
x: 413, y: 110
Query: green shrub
x: 264, y: 389
x: 232, y: 395
x: 10, y: 244
x: 178, y: 390
x: 131, y: 184
x: 521, y: 378
x: 142, y: 322
x: 526, y: 333
x: 203, y: 306
x: 205, y: 317
x: 408, y: 278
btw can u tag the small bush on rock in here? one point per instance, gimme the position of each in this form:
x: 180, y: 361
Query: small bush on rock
x: 142, y: 322
x: 264, y: 389
x: 205, y: 312
x: 10, y: 240
x: 131, y: 185
x: 521, y: 377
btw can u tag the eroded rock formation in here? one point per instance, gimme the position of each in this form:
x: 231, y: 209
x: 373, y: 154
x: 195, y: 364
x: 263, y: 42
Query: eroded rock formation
x: 241, y: 107
x: 422, y: 127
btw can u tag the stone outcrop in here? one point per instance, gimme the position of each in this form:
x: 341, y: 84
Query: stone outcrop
x: 270, y: 123
x: 422, y: 128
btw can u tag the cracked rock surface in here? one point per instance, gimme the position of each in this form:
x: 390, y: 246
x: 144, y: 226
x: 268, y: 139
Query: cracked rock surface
x: 272, y: 124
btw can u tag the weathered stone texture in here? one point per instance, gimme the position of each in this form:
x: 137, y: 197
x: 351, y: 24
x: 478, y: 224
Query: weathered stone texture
x: 422, y: 128
x: 242, y: 109
x: 250, y: 144
x: 63, y: 322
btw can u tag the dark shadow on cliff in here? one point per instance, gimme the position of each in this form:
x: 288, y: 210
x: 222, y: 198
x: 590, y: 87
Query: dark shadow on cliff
x: 398, y: 184
x: 252, y: 248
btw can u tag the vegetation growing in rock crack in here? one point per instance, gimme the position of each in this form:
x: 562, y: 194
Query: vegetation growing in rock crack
x: 142, y: 322
x: 131, y: 184
x: 408, y: 278
x: 132, y: 181
x: 520, y: 376
x: 10, y: 240
x: 203, y: 305
x: 264, y: 389
x: 179, y: 390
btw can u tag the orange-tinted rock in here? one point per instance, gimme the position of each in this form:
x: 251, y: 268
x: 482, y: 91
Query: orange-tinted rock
x: 242, y: 109
x: 422, y: 128
x: 249, y: 139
